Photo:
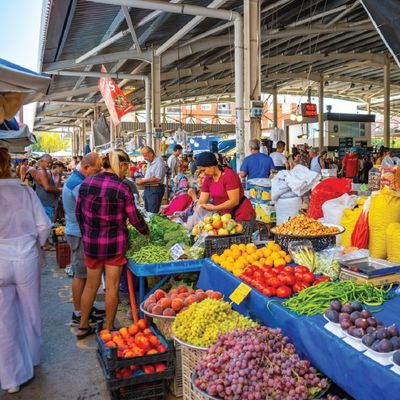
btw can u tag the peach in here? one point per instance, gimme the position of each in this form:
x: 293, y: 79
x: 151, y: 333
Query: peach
x: 182, y: 289
x: 142, y: 324
x: 110, y: 344
x: 173, y: 291
x: 201, y: 296
x: 216, y: 295
x: 157, y: 310
x: 169, y: 312
x: 147, y: 332
x: 190, y: 300
x: 177, y: 304
x: 165, y: 302
x: 150, y: 306
x: 124, y: 332
x: 159, y: 294
x: 183, y: 295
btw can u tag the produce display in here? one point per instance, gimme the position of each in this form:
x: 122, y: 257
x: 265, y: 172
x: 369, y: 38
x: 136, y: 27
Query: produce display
x: 202, y: 322
x: 382, y: 339
x: 280, y: 281
x: 151, y: 254
x: 136, y: 340
x: 176, y: 300
x: 127, y: 372
x: 217, y: 225
x: 300, y: 225
x: 239, y: 256
x: 257, y: 363
x: 166, y: 232
x: 320, y: 263
x: 396, y: 358
x: 317, y: 299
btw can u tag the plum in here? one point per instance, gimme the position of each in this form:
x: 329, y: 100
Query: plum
x: 343, y: 316
x: 336, y: 305
x: 385, y: 346
x: 354, y: 315
x: 350, y: 331
x: 381, y: 333
x: 366, y: 314
x: 347, y: 308
x: 368, y: 340
x: 375, y: 345
x: 332, y: 315
x: 395, y: 340
x: 345, y: 324
x: 358, y: 332
x: 361, y: 323
x: 396, y: 357
x: 357, y: 306
x: 372, y: 322
x: 392, y: 330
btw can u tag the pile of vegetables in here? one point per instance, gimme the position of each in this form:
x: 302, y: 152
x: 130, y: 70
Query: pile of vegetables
x: 151, y: 254
x: 317, y: 299
x: 167, y: 233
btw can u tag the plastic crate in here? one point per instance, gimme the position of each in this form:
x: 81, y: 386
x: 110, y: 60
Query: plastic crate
x: 217, y: 245
x: 166, y: 268
x: 138, y: 377
x: 63, y: 254
x: 146, y: 391
x: 112, y: 362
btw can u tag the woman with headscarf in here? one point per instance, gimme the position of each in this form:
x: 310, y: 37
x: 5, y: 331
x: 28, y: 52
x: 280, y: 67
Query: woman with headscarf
x: 104, y: 204
x: 224, y: 186
x: 24, y: 226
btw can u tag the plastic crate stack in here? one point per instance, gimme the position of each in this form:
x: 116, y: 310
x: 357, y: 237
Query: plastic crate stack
x: 138, y: 386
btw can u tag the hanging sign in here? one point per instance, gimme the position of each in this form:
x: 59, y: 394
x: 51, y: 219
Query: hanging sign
x: 117, y: 103
x: 309, y: 110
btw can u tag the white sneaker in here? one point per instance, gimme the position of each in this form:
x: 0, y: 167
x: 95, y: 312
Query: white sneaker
x: 13, y: 390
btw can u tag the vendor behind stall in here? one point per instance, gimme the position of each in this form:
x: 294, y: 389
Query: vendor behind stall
x: 350, y: 165
x: 223, y: 185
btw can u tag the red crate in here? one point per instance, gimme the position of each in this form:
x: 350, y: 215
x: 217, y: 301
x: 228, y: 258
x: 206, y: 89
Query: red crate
x: 63, y: 254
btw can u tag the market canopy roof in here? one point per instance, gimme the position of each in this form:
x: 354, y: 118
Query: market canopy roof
x: 301, y: 40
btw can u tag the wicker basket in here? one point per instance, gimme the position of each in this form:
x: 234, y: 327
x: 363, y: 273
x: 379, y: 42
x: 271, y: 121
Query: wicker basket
x: 165, y: 327
x: 191, y: 355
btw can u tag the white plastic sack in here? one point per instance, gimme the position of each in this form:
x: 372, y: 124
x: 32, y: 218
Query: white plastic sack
x: 287, y: 208
x: 279, y: 185
x: 333, y: 209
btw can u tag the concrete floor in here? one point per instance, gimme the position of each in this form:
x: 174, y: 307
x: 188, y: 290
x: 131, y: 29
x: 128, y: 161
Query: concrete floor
x: 69, y: 369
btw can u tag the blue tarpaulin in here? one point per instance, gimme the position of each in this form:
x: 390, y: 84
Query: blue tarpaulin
x: 357, y: 374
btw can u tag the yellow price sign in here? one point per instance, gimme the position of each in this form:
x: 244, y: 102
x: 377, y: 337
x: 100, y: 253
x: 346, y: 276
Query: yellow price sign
x: 240, y: 293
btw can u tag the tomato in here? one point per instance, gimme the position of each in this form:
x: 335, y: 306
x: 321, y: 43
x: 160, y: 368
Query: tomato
x: 299, y: 286
x: 257, y: 275
x: 288, y: 279
x: 298, y: 276
x: 279, y: 268
x: 283, y: 291
x: 289, y: 270
x: 302, y: 269
x: 274, y: 281
x: 308, y: 277
x: 269, y: 291
x: 320, y: 279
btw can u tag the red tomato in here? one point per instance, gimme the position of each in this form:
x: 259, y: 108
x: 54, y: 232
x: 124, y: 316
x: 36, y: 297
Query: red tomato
x: 320, y: 279
x: 298, y: 286
x: 289, y: 270
x: 274, y: 281
x: 308, y: 277
x: 257, y: 275
x: 279, y: 268
x: 269, y: 291
x: 302, y: 269
x: 283, y: 291
x: 288, y: 280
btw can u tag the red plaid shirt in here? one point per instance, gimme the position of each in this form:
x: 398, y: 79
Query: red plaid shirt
x: 104, y: 204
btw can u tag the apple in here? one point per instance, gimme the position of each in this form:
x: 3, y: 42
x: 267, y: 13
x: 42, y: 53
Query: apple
x: 239, y: 228
x: 208, y: 227
x: 216, y: 217
x: 223, y: 232
x: 207, y: 220
x: 217, y: 224
x: 226, y: 217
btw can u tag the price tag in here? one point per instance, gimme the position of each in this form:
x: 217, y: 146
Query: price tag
x: 176, y: 251
x: 240, y: 293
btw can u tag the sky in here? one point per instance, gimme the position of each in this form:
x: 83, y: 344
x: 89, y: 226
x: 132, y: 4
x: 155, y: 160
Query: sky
x: 19, y: 32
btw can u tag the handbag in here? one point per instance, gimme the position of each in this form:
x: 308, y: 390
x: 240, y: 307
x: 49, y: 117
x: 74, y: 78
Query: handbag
x: 41, y: 253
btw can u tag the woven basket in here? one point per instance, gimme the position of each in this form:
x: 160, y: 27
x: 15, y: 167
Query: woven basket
x: 191, y: 355
x: 165, y: 327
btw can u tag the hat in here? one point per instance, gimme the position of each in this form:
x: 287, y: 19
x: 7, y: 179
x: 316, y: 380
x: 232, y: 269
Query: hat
x: 206, y: 159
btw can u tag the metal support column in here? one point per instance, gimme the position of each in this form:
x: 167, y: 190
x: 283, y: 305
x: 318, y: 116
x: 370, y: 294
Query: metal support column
x: 275, y: 106
x: 156, y: 98
x: 386, y: 104
x: 321, y: 113
x: 113, y: 135
x: 95, y: 118
x: 83, y: 141
x: 252, y: 67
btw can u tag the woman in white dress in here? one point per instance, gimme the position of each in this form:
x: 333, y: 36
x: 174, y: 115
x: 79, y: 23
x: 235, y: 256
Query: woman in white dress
x: 23, y: 225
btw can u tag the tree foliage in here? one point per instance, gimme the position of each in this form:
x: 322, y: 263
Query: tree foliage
x: 50, y: 142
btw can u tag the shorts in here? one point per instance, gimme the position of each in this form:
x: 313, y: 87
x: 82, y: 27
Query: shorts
x: 50, y: 211
x: 94, y: 263
x: 77, y: 256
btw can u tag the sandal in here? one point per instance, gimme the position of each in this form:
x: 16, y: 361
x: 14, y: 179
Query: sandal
x: 87, y: 332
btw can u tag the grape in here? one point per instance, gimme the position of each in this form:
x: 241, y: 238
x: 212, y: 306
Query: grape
x: 256, y: 363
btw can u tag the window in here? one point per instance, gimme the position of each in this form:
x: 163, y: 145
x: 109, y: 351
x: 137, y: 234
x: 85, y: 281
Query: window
x: 206, y: 107
x: 172, y: 110
x: 224, y: 109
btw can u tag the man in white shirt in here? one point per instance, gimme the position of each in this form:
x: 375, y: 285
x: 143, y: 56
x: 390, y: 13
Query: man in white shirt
x: 280, y: 161
x: 173, y: 161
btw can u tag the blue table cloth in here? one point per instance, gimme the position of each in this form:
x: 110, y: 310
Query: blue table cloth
x: 358, y: 375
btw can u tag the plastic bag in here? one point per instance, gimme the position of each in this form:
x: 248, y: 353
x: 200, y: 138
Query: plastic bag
x: 328, y: 189
x: 384, y: 209
x: 287, y: 208
x: 333, y: 209
x: 326, y: 263
x: 360, y: 234
x: 303, y: 253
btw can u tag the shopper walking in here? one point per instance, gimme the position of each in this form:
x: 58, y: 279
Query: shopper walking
x: 90, y: 165
x: 278, y: 157
x: 318, y: 162
x: 256, y: 165
x: 351, y: 165
x: 153, y: 180
x: 24, y: 226
x: 103, y: 206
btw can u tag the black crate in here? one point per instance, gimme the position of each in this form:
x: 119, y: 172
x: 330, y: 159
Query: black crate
x: 112, y: 362
x: 114, y: 383
x: 147, y: 391
x: 217, y: 245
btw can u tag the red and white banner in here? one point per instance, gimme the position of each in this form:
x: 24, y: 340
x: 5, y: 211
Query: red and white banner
x: 117, y: 103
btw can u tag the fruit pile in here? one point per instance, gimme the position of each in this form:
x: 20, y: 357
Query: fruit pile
x: 136, y: 340
x: 258, y: 363
x: 280, y: 281
x: 127, y: 372
x: 383, y: 339
x: 217, y: 225
x: 239, y: 256
x: 176, y: 300
x: 396, y: 358
x: 202, y: 322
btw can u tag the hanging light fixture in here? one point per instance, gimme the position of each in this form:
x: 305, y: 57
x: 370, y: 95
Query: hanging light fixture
x: 196, y: 144
x: 293, y: 117
x: 299, y: 118
x: 203, y: 136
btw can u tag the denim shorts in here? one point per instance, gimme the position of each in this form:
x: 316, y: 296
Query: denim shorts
x: 77, y: 256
